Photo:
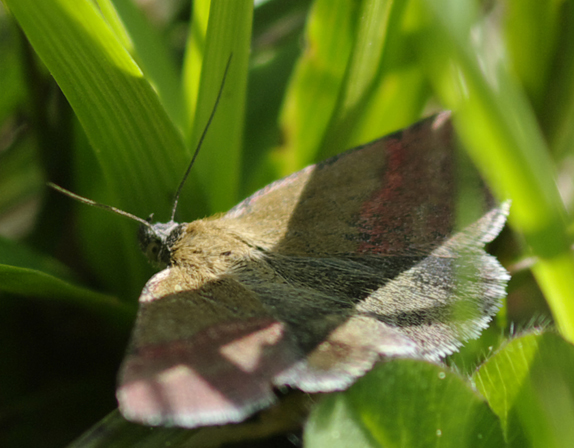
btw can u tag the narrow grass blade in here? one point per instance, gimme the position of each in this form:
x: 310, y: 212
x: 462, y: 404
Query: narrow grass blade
x: 218, y: 165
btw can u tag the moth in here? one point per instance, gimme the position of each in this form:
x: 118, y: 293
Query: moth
x: 312, y: 280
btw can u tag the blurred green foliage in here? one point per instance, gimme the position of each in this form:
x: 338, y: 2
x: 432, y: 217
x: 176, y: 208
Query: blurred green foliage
x: 108, y: 98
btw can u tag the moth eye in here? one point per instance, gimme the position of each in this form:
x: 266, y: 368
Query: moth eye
x: 226, y: 254
x: 153, y: 250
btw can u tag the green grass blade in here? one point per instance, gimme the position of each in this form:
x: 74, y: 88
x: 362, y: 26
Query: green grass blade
x: 150, y: 52
x: 218, y: 165
x: 496, y: 122
x: 16, y: 254
x: 137, y: 145
x: 399, y: 90
x: 114, y: 21
x: 557, y: 111
x: 276, y: 45
x: 115, y: 431
x: 316, y: 84
x: 11, y: 75
x: 354, y: 84
x: 531, y: 31
x: 193, y: 62
x: 363, y: 75
x: 34, y: 283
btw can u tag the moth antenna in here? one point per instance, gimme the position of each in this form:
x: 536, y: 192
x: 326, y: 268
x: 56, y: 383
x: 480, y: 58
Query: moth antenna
x: 109, y: 208
x: 176, y: 198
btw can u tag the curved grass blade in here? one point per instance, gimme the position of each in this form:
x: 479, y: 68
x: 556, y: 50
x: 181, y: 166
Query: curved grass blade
x: 34, y: 283
x: 498, y: 127
x: 146, y: 45
x: 137, y: 145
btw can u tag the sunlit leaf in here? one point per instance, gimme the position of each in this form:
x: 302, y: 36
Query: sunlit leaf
x: 405, y: 403
x: 529, y: 385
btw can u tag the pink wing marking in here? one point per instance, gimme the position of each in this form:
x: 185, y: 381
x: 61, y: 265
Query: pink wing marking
x: 223, y: 375
x: 412, y: 195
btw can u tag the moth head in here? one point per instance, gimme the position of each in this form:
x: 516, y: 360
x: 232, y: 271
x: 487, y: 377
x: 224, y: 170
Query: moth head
x: 156, y: 240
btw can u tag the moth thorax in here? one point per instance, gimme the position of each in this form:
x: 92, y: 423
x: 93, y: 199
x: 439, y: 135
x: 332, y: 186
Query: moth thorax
x: 156, y: 240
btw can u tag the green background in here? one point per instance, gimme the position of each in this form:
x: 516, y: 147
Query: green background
x: 108, y: 98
